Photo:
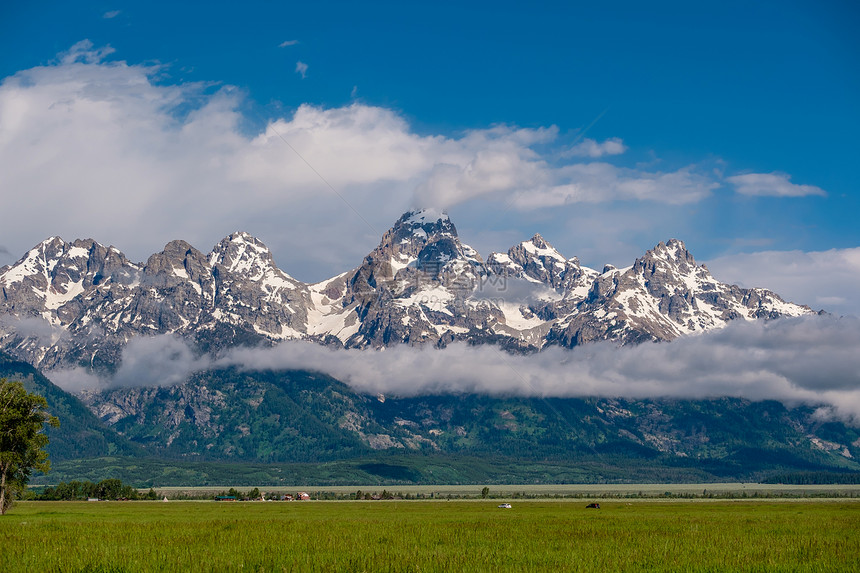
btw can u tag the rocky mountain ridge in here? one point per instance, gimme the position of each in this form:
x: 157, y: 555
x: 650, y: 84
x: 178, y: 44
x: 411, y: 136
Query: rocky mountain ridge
x: 79, y: 303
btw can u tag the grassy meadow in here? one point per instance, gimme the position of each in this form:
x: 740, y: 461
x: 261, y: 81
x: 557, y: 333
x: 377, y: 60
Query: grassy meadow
x: 431, y: 536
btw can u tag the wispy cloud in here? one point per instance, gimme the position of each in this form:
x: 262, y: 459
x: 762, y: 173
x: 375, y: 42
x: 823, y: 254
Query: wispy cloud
x: 813, y: 360
x: 591, y: 148
x: 165, y: 358
x: 288, y: 43
x: 772, y: 185
x: 502, y: 162
x: 302, y: 68
x: 111, y: 14
x: 84, y: 52
x: 33, y: 327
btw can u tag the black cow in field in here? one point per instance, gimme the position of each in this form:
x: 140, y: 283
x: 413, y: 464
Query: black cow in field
x: 593, y: 506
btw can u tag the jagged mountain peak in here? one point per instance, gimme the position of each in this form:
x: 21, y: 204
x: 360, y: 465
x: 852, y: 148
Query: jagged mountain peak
x: 48, y: 245
x: 55, y: 259
x: 662, y: 296
x: 242, y: 256
x: 177, y: 248
x: 538, y: 241
x: 671, y: 267
x: 176, y: 254
x: 539, y: 247
x: 416, y: 232
x: 244, y: 238
x: 673, y: 251
x: 424, y: 216
x: 34, y: 261
x: 240, y: 238
x: 428, y: 224
x: 420, y: 285
x: 41, y: 258
x: 52, y: 241
x: 671, y: 262
x: 239, y: 250
x: 536, y: 260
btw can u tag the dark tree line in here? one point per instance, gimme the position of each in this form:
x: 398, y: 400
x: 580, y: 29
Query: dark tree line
x: 110, y: 489
x: 814, y: 478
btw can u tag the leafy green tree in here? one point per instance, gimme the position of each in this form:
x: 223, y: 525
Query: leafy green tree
x: 485, y: 492
x: 22, y: 440
x: 89, y: 490
x: 110, y: 489
x: 68, y: 491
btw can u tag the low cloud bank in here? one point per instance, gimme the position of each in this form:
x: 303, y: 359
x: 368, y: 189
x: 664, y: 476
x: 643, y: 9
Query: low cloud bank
x: 812, y: 360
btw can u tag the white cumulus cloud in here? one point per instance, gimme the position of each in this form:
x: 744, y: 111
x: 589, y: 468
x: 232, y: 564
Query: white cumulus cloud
x: 772, y: 185
x: 591, y: 148
x: 96, y: 147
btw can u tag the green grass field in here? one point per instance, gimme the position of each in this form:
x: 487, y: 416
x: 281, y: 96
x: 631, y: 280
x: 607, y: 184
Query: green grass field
x: 431, y: 536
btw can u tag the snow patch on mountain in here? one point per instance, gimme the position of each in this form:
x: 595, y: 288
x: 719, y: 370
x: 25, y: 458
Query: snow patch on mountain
x: 420, y: 286
x: 426, y: 216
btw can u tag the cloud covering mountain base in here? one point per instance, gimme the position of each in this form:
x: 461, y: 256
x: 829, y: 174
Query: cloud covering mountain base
x: 811, y: 360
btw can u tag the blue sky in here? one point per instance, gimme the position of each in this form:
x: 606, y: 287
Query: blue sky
x: 605, y: 128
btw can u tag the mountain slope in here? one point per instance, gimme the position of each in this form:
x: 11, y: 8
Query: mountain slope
x: 305, y: 417
x: 257, y: 417
x: 232, y: 415
x: 81, y: 434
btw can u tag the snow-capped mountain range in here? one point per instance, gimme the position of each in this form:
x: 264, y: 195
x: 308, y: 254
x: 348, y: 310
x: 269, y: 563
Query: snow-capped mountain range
x: 80, y: 302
